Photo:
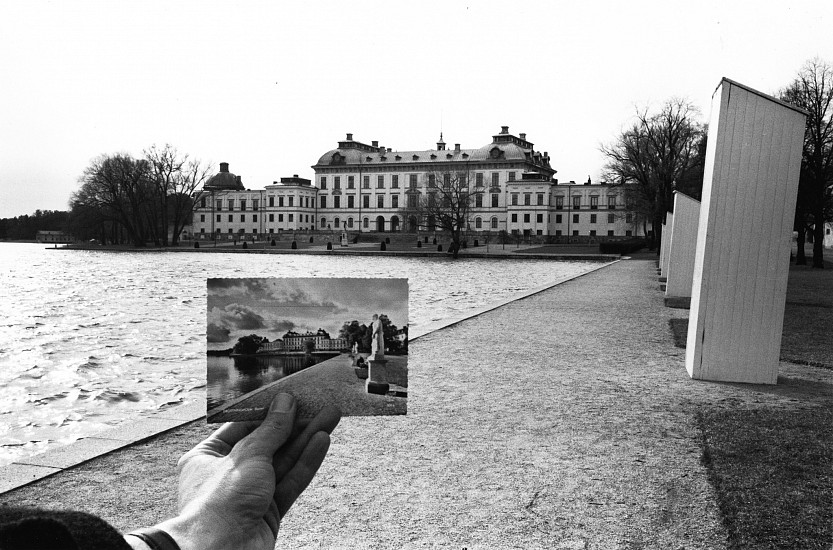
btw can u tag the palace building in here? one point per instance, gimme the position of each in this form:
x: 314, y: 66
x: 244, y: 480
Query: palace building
x: 368, y: 188
x: 230, y: 211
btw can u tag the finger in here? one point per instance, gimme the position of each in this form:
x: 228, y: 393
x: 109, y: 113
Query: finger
x: 290, y: 487
x: 325, y: 421
x: 224, y: 438
x: 275, y: 429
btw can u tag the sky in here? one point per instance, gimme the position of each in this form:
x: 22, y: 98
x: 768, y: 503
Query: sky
x: 271, y: 307
x: 269, y: 87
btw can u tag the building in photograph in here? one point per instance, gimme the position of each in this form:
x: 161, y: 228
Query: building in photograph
x: 366, y: 187
x: 296, y: 342
x: 53, y: 237
x: 226, y: 209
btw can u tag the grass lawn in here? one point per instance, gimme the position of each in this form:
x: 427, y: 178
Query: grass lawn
x: 772, y: 470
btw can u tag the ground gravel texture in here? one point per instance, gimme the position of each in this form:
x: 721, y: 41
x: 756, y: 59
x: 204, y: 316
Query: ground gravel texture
x: 565, y: 420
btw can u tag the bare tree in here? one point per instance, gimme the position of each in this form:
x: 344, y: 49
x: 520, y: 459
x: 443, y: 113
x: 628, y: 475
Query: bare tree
x: 812, y: 90
x: 446, y: 204
x: 118, y: 188
x: 659, y: 154
x: 175, y: 177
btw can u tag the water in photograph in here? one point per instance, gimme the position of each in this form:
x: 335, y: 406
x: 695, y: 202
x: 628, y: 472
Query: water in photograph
x: 89, y: 339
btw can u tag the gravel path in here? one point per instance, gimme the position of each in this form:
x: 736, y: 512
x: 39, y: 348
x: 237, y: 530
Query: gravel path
x: 563, y: 420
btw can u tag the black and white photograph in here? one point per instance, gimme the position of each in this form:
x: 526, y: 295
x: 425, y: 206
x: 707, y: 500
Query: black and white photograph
x: 340, y: 342
x: 421, y: 275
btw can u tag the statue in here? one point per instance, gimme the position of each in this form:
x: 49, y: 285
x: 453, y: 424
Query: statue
x: 377, y: 339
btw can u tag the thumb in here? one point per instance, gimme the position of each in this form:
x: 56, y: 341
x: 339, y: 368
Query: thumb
x: 275, y: 430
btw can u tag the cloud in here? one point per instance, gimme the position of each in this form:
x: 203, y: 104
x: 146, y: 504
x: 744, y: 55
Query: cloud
x: 238, y: 316
x: 218, y: 334
x: 283, y: 326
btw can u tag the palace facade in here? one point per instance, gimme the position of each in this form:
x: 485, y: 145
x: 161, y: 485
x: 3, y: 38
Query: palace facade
x: 368, y: 188
x: 293, y: 341
x: 230, y: 211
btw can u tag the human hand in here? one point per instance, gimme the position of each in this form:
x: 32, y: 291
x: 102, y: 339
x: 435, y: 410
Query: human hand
x: 235, y: 486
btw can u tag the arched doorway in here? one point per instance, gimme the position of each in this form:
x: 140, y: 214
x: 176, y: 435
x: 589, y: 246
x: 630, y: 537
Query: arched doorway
x: 380, y: 223
x: 394, y: 223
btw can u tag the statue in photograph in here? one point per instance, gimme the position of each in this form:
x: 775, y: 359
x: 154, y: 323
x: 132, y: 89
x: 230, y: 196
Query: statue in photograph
x: 377, y: 339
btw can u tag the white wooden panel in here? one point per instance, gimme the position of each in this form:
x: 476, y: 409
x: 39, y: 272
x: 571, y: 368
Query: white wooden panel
x: 665, y: 244
x: 682, y: 244
x: 741, y: 263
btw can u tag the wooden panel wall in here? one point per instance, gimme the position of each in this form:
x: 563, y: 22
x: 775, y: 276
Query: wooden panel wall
x: 741, y: 262
x: 682, y: 244
x: 665, y: 245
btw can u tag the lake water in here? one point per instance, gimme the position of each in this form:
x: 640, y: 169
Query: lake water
x: 89, y: 339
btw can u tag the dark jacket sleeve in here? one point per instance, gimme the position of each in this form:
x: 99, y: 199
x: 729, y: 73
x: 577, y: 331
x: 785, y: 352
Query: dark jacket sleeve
x: 35, y: 528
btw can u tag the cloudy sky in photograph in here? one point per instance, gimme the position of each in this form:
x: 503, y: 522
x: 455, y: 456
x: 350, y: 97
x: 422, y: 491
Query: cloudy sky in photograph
x: 270, y: 87
x: 271, y: 307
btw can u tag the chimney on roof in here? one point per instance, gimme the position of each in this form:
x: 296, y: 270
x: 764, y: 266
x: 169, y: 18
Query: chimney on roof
x: 389, y: 150
x: 504, y: 129
x: 223, y: 167
x: 374, y: 143
x: 349, y: 137
x: 294, y: 175
x: 274, y: 183
x: 522, y: 136
x: 456, y: 146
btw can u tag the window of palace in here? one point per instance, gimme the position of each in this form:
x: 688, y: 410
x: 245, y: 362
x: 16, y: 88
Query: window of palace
x: 336, y: 202
x: 380, y: 201
x: 380, y: 182
x: 559, y: 203
x: 511, y: 176
x: 495, y: 179
x: 242, y: 204
x: 324, y: 202
x: 540, y: 199
x: 366, y: 182
x: 558, y: 218
x: 271, y: 217
x: 540, y: 218
x: 231, y: 204
x: 242, y: 217
x: 495, y: 199
x: 350, y: 201
x: 575, y: 218
x: 527, y: 199
x: 611, y: 202
x: 351, y: 182
x: 280, y: 202
x: 576, y: 203
x: 478, y: 223
x: 394, y: 181
x: 322, y: 183
x: 514, y: 199
x: 526, y: 218
x: 337, y: 182
x: 594, y: 202
x: 478, y: 200
x: 494, y: 223
x: 611, y: 218
x: 592, y: 218
x: 218, y: 204
x: 394, y: 201
x: 514, y: 218
x: 478, y: 179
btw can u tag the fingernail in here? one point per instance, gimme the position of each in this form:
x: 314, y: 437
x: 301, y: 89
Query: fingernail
x: 282, y: 403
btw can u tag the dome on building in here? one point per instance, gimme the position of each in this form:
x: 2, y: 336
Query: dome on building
x: 224, y: 180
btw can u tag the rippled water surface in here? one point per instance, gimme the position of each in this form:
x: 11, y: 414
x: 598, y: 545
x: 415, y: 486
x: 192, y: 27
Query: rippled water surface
x: 89, y: 339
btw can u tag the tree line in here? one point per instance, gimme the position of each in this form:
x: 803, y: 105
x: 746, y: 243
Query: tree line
x: 123, y: 199
x: 26, y: 227
x: 664, y: 151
